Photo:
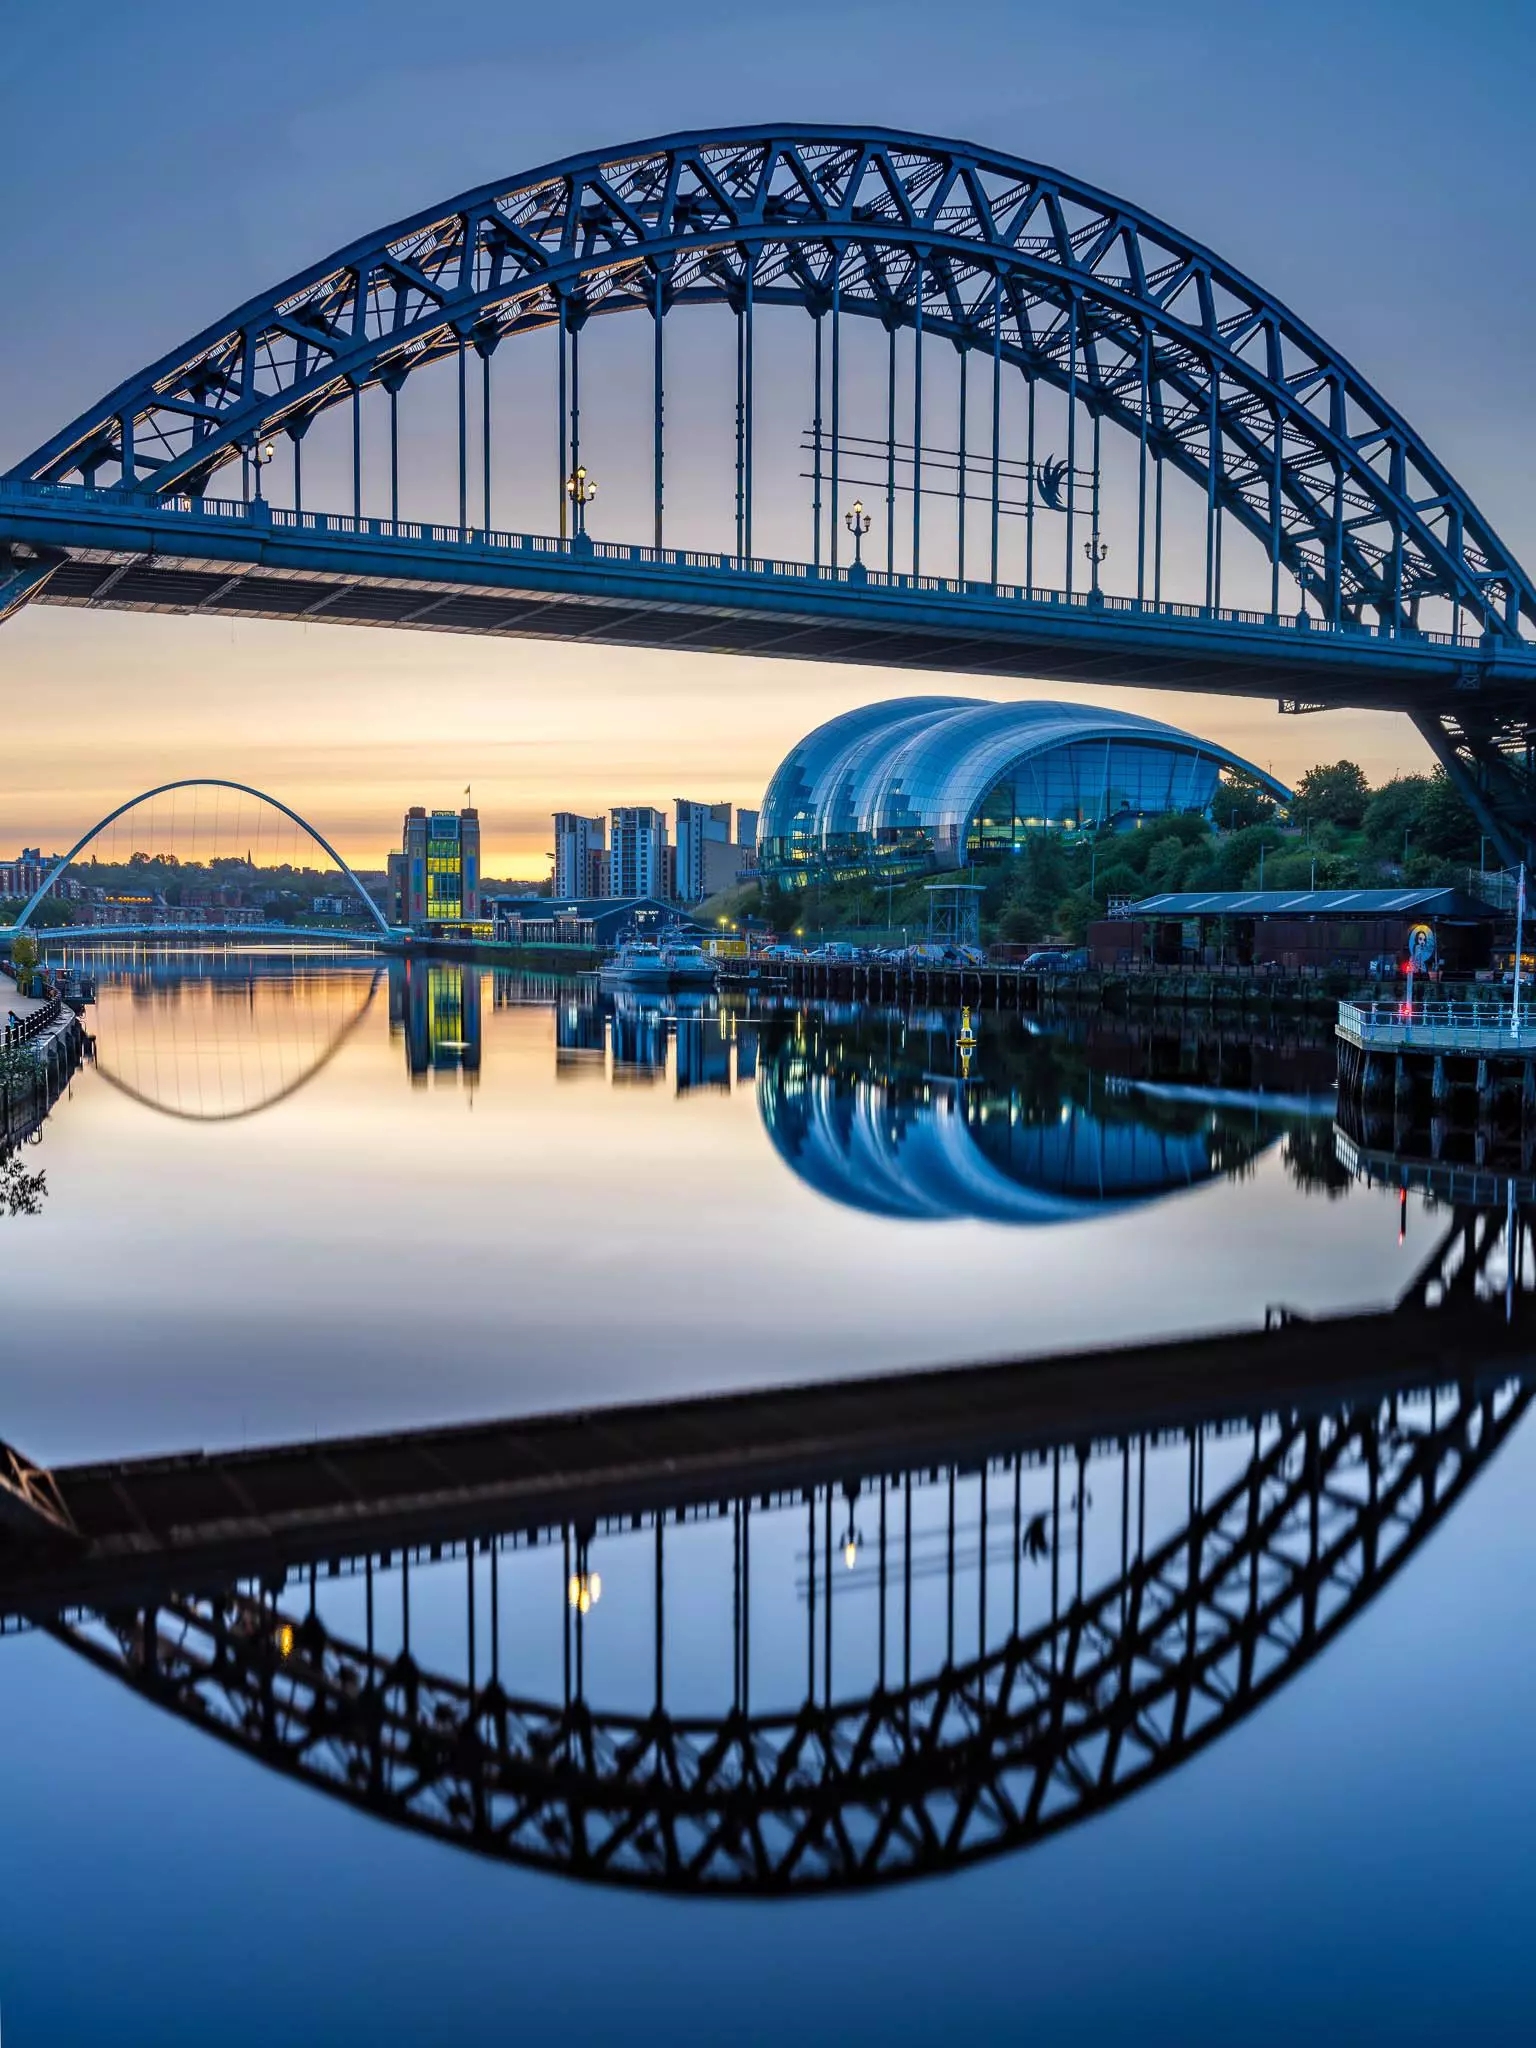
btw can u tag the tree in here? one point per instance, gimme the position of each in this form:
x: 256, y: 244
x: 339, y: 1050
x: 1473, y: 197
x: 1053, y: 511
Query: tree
x: 1336, y: 792
x: 1241, y: 801
x: 1446, y: 826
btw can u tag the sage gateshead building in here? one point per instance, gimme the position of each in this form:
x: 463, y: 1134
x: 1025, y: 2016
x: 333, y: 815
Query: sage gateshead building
x: 922, y: 782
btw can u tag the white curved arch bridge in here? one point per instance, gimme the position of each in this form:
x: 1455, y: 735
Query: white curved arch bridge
x: 379, y: 930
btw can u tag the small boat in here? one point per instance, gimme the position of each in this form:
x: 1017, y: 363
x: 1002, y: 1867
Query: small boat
x: 669, y: 959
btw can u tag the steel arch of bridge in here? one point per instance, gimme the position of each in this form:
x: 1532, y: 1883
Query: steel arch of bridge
x: 983, y: 1757
x: 1007, y: 259
x: 197, y: 782
x: 1020, y: 267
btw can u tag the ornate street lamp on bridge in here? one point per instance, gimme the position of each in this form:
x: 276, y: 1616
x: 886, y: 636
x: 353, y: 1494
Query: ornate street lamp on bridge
x: 581, y: 489
x: 856, y: 519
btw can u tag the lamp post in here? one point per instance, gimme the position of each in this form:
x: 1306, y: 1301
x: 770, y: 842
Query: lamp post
x: 262, y: 453
x: 856, y: 519
x: 1097, y: 551
x: 581, y: 489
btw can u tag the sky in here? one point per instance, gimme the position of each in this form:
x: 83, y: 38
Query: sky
x: 1367, y: 163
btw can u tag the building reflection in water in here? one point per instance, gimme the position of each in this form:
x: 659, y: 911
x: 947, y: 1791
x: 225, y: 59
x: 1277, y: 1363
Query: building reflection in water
x: 861, y: 1666
x: 887, y: 1115
x: 435, y: 1006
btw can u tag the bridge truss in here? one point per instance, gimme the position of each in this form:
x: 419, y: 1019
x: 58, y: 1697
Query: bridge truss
x: 1319, y: 551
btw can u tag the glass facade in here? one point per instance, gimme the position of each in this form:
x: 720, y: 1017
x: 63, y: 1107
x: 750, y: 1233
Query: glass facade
x: 437, y: 871
x: 934, y: 781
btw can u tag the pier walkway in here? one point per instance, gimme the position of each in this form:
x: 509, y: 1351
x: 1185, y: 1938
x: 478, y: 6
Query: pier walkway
x: 1470, y: 1026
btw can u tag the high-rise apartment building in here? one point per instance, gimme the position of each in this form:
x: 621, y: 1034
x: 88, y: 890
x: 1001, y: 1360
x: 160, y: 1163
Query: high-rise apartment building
x: 701, y: 830
x: 435, y: 877
x: 581, y: 863
x: 637, y: 850
x: 709, y: 855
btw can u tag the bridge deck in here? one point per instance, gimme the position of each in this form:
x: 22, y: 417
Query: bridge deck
x: 181, y: 555
x: 201, y: 1519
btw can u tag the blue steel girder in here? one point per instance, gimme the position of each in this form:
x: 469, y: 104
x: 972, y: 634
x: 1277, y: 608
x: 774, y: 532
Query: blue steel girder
x: 1091, y: 294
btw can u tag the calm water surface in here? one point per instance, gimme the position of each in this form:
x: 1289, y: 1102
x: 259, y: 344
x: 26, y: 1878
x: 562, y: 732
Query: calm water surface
x: 300, y: 1198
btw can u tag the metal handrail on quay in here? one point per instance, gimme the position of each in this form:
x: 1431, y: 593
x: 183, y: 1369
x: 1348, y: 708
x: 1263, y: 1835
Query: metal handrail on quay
x: 33, y: 1025
x: 1469, y: 1026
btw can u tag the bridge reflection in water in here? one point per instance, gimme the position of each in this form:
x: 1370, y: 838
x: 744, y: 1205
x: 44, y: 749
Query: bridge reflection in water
x: 814, y: 1639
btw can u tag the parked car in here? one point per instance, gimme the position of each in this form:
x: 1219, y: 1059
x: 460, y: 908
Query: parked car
x: 1056, y: 960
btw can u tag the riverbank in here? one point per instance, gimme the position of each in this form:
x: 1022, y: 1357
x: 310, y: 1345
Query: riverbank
x: 34, y: 1070
x: 996, y: 985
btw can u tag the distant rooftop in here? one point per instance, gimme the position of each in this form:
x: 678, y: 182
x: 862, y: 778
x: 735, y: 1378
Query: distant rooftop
x: 1424, y: 902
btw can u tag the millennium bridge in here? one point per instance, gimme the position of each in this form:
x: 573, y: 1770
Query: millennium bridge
x: 813, y: 1638
x: 377, y: 934
x: 1075, y: 443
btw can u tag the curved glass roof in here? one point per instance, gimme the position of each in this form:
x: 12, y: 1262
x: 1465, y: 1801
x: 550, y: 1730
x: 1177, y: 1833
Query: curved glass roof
x: 927, y: 763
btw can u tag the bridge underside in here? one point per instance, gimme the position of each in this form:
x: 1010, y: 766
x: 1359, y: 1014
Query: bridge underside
x: 916, y: 631
x: 1470, y: 697
x: 255, y: 561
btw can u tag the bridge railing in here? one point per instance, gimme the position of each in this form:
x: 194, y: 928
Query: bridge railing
x: 493, y: 542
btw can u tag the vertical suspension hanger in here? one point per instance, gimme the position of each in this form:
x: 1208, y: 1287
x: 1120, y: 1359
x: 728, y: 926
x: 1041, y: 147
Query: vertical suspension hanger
x: 658, y: 404
x: 917, y: 419
x: 463, y: 439
x: 890, y: 451
x: 394, y: 450
x: 1212, y: 458
x: 835, y: 521
x: 357, y: 454
x: 1029, y: 479
x: 816, y: 440
x: 997, y: 397
x: 485, y: 347
x: 960, y: 509
x: 741, y: 426
x: 562, y: 464
x: 1276, y: 481
x: 1071, y: 433
x: 1141, y: 466
x: 576, y: 324
x: 747, y: 405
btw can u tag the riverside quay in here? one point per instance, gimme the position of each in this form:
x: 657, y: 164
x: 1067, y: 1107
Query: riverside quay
x: 1449, y: 1051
